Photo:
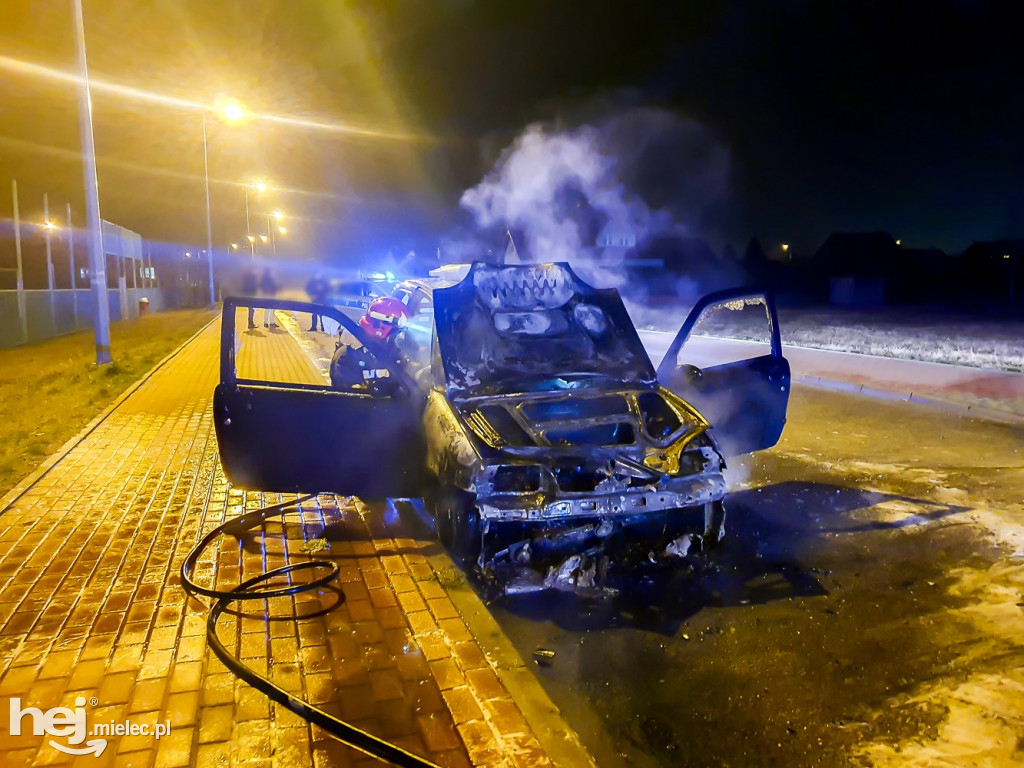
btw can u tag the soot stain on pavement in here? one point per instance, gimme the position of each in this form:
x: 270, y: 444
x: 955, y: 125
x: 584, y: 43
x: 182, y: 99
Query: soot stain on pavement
x: 784, y: 649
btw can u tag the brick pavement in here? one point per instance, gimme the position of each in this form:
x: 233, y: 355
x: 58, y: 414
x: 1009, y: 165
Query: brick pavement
x: 91, y: 605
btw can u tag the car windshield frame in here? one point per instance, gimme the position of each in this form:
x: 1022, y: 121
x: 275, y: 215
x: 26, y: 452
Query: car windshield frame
x: 492, y: 339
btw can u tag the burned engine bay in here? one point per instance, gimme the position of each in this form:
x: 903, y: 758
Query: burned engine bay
x: 559, y: 458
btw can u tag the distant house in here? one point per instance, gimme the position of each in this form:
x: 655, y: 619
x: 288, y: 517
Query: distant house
x: 993, y: 270
x: 858, y: 254
x: 857, y: 266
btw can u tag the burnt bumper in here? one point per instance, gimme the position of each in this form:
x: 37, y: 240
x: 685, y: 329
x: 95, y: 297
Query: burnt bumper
x: 675, y: 493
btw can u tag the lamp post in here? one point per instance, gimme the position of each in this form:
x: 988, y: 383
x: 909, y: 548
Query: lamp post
x: 71, y: 265
x: 209, y: 228
x: 97, y: 267
x: 277, y: 216
x: 232, y: 112
x: 259, y: 186
x: 48, y: 227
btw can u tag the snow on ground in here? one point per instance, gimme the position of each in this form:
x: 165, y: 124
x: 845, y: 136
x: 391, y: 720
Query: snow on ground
x: 907, y: 333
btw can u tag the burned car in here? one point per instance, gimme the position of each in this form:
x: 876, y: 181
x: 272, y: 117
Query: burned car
x: 545, y: 443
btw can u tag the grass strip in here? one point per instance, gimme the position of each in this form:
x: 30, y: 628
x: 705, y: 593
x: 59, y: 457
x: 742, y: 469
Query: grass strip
x: 49, y: 391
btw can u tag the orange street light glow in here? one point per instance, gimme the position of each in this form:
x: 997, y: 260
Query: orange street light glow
x: 233, y: 112
x: 18, y: 66
x: 283, y: 230
x: 251, y: 238
x: 235, y: 246
x: 264, y: 238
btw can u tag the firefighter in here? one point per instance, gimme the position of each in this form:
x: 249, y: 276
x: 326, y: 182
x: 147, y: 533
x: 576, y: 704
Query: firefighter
x: 353, y: 365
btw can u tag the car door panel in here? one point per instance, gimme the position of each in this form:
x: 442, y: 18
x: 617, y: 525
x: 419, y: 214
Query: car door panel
x: 302, y: 437
x: 745, y: 400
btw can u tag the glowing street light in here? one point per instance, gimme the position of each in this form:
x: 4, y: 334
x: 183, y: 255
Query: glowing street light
x: 264, y: 238
x: 278, y: 215
x: 252, y: 238
x: 50, y: 225
x: 283, y: 230
x: 260, y: 186
x: 232, y: 111
x: 234, y: 246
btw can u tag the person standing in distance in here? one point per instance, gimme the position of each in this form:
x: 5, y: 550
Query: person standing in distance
x: 268, y: 290
x: 250, y: 287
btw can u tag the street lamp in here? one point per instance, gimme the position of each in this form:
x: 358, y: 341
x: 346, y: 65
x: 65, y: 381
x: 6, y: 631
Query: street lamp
x: 259, y: 186
x: 277, y: 215
x: 232, y: 112
x: 97, y: 261
x: 209, y: 226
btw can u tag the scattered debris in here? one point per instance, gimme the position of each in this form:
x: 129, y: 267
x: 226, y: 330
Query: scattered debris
x: 315, y: 545
x: 450, y: 577
x: 680, y: 547
x: 575, y: 572
x: 544, y: 656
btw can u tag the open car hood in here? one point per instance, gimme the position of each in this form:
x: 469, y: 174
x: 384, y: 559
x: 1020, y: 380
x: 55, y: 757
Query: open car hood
x: 534, y: 328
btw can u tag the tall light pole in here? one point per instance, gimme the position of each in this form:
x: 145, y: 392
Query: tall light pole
x: 71, y: 265
x: 259, y: 186
x: 48, y: 227
x: 97, y: 267
x: 209, y: 228
x: 277, y: 216
x: 248, y: 229
x: 232, y: 112
x: 22, y: 314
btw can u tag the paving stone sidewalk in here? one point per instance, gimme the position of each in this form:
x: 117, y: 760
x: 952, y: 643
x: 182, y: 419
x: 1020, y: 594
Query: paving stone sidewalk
x: 91, y: 605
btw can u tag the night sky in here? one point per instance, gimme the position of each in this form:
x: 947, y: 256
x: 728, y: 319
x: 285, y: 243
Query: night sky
x: 836, y: 116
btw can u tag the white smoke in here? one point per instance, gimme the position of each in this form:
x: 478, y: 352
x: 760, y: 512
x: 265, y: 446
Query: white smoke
x: 558, y: 191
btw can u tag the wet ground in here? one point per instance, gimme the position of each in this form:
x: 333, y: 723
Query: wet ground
x: 865, y: 609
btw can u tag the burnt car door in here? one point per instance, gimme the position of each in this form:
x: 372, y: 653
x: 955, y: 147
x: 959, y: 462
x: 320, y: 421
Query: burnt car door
x: 281, y: 425
x: 727, y: 362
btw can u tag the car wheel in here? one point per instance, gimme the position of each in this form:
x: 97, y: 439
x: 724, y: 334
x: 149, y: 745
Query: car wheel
x: 714, y: 523
x: 458, y: 522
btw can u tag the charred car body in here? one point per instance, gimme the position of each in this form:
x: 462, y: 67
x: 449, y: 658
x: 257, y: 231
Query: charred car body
x: 545, y: 443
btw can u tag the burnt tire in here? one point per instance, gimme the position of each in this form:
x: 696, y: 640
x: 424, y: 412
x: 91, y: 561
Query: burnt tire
x: 457, y: 521
x: 714, y: 523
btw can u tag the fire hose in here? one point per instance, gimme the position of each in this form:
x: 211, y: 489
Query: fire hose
x: 250, y: 589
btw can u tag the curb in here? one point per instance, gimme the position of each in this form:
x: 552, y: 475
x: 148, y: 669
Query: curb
x: 26, y: 483
x: 896, y: 395
x: 556, y: 736
x: 961, y: 409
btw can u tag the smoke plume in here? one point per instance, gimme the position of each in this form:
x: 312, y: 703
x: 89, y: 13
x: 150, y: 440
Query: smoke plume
x: 590, y: 194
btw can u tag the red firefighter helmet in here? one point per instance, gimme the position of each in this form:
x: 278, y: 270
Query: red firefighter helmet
x: 383, y: 316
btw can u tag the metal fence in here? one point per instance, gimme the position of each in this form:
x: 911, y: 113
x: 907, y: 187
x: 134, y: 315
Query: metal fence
x: 58, y: 312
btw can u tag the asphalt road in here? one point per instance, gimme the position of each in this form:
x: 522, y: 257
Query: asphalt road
x: 866, y: 608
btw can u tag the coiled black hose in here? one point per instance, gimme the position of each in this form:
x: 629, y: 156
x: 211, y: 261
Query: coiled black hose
x: 344, y: 732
